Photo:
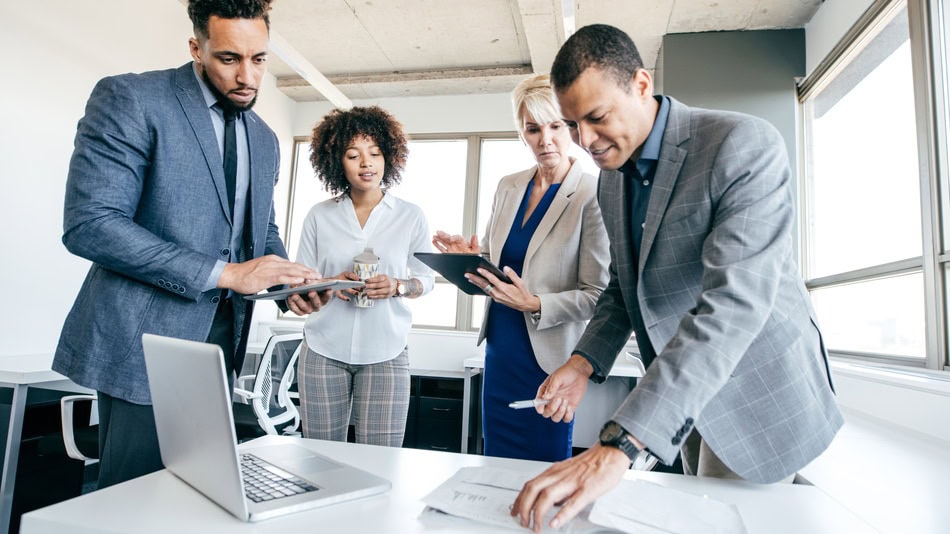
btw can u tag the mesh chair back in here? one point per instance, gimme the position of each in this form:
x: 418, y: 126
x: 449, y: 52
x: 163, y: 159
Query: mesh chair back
x: 272, y: 404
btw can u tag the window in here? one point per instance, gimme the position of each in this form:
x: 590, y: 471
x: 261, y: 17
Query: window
x: 867, y: 254
x: 453, y: 178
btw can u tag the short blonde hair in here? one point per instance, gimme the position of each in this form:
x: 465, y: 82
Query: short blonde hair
x: 533, y: 98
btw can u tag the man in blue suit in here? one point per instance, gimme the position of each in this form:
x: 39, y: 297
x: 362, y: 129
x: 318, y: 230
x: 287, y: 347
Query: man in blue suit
x: 170, y: 195
x: 698, y: 208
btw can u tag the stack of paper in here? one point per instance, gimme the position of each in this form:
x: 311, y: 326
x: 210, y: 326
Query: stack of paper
x: 485, y: 494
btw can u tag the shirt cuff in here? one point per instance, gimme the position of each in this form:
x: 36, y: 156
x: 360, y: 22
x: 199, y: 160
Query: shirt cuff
x: 215, y: 276
x: 599, y: 375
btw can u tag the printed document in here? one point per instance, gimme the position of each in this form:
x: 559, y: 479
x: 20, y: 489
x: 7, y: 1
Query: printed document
x: 485, y: 494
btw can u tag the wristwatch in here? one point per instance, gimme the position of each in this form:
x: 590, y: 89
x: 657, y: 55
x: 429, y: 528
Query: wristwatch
x: 401, y: 288
x: 536, y: 315
x: 614, y: 435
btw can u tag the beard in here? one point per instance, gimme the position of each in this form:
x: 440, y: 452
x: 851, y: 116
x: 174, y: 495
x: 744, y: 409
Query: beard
x: 223, y: 101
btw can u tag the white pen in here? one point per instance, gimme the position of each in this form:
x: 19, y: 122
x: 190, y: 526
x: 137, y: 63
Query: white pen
x: 531, y: 403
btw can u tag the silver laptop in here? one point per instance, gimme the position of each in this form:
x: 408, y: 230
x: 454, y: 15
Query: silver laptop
x: 198, y: 445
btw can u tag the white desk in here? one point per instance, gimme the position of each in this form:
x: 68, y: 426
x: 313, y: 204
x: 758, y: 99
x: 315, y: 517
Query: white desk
x: 161, y: 503
x: 20, y: 372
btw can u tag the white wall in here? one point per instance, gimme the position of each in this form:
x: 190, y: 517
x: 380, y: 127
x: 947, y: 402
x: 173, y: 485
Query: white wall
x: 827, y: 27
x: 56, y: 51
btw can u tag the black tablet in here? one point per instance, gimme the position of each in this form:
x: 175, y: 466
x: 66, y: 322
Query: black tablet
x: 454, y: 267
x: 319, y: 286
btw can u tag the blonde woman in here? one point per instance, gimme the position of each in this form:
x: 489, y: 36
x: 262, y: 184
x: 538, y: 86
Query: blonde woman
x: 547, y: 234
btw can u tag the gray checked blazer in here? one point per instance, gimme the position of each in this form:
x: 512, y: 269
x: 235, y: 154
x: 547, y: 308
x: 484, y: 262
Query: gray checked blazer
x: 565, y: 264
x: 146, y: 203
x: 739, y: 353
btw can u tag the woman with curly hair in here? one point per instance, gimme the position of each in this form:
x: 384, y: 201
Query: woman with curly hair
x: 356, y: 358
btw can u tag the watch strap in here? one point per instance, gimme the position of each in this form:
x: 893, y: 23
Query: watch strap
x: 628, y: 447
x: 622, y: 442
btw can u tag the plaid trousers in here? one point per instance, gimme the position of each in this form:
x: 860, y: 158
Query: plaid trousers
x: 377, y: 395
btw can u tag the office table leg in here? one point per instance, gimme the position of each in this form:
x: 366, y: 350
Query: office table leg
x: 478, y: 423
x: 467, y: 390
x: 466, y: 406
x: 11, y: 455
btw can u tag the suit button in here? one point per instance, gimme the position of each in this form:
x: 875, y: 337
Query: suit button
x: 175, y: 287
x: 161, y: 282
x: 215, y: 299
x: 181, y: 289
x: 225, y: 252
x: 689, y: 421
x: 677, y: 440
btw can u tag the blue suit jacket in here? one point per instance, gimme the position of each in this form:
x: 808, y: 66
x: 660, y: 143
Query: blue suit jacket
x: 146, y: 202
x: 738, y: 352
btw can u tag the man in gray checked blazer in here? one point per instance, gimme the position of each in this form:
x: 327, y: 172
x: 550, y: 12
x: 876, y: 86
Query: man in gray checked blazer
x: 699, y: 211
x: 147, y: 201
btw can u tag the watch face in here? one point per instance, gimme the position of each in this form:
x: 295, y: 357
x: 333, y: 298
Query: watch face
x: 611, y: 432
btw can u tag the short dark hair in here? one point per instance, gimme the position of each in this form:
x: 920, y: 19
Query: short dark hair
x: 338, y: 128
x: 598, y: 45
x: 199, y: 11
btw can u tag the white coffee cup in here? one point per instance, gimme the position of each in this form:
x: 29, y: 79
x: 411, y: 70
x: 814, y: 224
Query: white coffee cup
x: 366, y: 266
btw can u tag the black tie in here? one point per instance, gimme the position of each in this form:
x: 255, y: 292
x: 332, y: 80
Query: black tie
x: 230, y: 156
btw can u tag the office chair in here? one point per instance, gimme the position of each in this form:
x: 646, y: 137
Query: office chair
x: 82, y: 440
x: 267, y: 407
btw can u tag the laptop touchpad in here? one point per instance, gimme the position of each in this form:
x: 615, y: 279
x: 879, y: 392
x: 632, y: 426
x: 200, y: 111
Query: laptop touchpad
x: 298, y: 460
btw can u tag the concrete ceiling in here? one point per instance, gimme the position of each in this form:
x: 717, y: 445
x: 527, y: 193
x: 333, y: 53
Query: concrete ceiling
x: 341, y: 50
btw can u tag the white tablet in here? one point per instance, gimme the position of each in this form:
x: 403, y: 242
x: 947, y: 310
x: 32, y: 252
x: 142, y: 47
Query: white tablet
x: 319, y: 286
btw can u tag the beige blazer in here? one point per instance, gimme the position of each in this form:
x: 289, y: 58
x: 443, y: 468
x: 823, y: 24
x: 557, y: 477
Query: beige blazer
x: 566, y: 262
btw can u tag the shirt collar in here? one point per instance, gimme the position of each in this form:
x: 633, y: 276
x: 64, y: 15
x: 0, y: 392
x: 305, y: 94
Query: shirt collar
x: 651, y: 148
x: 650, y: 153
x: 210, y: 100
x: 388, y: 200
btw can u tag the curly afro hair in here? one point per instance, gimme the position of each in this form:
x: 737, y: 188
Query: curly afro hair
x: 338, y: 128
x: 199, y: 11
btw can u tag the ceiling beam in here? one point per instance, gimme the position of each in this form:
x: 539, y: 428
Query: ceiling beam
x: 307, y: 71
x: 546, y: 23
x: 415, y: 76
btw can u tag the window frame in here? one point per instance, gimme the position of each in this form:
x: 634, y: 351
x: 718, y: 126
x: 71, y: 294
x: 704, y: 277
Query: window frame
x: 928, y: 56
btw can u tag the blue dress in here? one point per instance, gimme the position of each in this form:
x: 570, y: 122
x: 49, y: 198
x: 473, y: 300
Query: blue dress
x: 511, y: 369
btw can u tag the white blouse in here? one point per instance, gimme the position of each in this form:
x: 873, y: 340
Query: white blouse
x: 330, y: 239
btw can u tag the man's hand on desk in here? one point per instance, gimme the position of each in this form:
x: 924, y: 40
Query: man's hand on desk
x: 573, y: 483
x: 565, y: 388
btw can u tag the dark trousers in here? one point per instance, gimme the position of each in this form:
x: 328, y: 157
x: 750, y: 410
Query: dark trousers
x: 128, y: 441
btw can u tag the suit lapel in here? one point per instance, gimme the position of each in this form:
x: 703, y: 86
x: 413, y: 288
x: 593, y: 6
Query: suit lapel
x: 260, y: 174
x: 672, y: 156
x: 508, y: 208
x: 193, y: 104
x: 555, y: 210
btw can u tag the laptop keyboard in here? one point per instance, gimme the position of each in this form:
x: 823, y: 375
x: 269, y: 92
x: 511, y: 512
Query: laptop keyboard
x: 265, y: 482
